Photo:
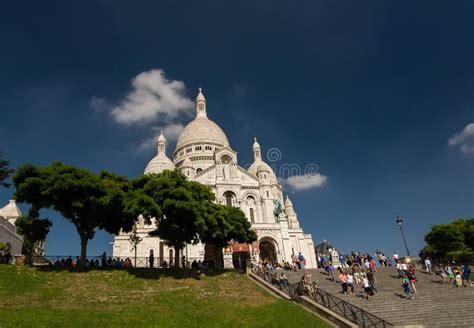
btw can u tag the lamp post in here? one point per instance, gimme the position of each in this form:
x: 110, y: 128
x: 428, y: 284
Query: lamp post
x: 399, y: 221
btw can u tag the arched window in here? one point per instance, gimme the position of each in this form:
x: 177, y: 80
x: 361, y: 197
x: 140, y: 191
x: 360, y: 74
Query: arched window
x: 268, y: 194
x: 226, y: 159
x: 229, y: 198
x: 198, y: 170
x: 252, y: 215
x: 250, y: 200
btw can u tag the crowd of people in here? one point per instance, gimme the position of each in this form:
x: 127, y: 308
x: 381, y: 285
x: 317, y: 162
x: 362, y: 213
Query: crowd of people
x: 360, y: 269
x: 298, y: 262
x: 454, y: 275
x: 102, y: 261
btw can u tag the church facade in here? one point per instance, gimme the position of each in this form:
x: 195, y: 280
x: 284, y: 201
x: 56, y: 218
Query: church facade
x: 204, y: 154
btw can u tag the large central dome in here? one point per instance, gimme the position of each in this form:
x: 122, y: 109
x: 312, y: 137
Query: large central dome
x: 201, y: 132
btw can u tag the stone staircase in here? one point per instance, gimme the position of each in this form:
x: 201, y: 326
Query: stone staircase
x: 435, y: 305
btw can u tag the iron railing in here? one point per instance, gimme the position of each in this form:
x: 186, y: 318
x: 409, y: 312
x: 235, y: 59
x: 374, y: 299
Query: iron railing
x: 345, y: 309
x: 119, y: 261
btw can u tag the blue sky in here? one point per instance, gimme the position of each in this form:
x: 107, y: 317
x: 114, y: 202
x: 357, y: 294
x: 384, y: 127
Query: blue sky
x: 380, y: 96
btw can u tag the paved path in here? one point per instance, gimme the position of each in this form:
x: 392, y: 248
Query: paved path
x: 435, y: 305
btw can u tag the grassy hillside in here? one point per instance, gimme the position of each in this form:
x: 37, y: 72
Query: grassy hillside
x: 59, y: 298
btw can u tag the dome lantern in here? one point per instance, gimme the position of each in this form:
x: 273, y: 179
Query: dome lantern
x: 256, y: 150
x: 200, y: 104
x: 161, y: 143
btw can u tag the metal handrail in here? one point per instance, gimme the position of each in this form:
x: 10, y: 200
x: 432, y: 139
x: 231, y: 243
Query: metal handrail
x: 141, y: 261
x: 347, y: 310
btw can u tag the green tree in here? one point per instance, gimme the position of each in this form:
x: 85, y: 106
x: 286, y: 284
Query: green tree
x: 179, y: 206
x: 452, y: 240
x: 34, y: 230
x: 87, y: 200
x: 5, y: 171
x: 222, y: 225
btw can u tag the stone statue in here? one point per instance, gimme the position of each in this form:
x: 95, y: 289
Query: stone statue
x: 278, y: 211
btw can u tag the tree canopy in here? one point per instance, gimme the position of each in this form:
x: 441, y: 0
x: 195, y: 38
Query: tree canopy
x: 185, y: 212
x: 87, y: 200
x: 223, y: 224
x: 177, y: 204
x: 5, y: 171
x: 454, y: 240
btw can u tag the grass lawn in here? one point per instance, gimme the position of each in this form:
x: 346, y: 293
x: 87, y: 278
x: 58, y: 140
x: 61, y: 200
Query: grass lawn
x: 33, y: 297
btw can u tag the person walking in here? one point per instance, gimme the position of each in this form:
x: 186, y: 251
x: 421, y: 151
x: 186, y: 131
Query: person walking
x: 428, y: 265
x: 301, y: 261
x: 450, y: 274
x: 367, y: 289
x: 466, y: 275
x: 411, y: 277
x: 350, y: 282
x: 371, y: 278
x: 342, y: 280
x: 406, y: 286
x: 356, y: 274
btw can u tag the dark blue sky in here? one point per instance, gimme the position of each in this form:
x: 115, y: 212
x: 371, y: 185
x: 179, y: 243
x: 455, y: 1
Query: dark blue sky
x: 370, y: 92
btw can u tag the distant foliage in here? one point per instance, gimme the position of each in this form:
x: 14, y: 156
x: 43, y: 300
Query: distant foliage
x: 89, y: 201
x: 454, y: 240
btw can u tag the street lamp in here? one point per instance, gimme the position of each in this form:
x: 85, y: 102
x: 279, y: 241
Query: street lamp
x: 399, y: 221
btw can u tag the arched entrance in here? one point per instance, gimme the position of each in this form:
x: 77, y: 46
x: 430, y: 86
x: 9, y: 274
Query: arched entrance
x: 267, y: 250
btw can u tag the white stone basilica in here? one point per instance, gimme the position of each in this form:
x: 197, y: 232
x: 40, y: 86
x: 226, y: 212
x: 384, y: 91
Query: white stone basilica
x: 203, y: 154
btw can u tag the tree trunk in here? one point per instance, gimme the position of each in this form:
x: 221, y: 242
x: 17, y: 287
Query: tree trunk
x: 176, y: 257
x: 83, y: 252
x: 135, y: 256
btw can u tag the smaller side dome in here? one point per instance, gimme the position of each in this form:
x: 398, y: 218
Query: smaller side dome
x: 160, y: 162
x: 187, y: 168
x: 261, y: 169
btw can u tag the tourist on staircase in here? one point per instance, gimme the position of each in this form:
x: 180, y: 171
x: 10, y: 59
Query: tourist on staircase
x: 466, y: 275
x: 412, y: 278
x: 342, y: 280
x: 428, y: 265
x: 367, y: 289
x: 350, y: 282
x: 406, y: 286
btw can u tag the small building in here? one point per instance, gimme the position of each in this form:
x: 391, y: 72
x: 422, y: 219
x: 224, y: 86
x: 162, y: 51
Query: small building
x: 8, y: 234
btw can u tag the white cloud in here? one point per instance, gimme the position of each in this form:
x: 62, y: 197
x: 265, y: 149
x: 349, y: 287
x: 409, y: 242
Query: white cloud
x: 305, y: 182
x: 152, y: 98
x: 464, y: 139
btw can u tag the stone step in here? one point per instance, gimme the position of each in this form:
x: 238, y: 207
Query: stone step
x: 435, y: 305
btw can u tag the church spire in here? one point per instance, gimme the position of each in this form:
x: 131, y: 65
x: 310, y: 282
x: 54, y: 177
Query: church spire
x: 256, y: 150
x: 161, y: 143
x: 200, y: 104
